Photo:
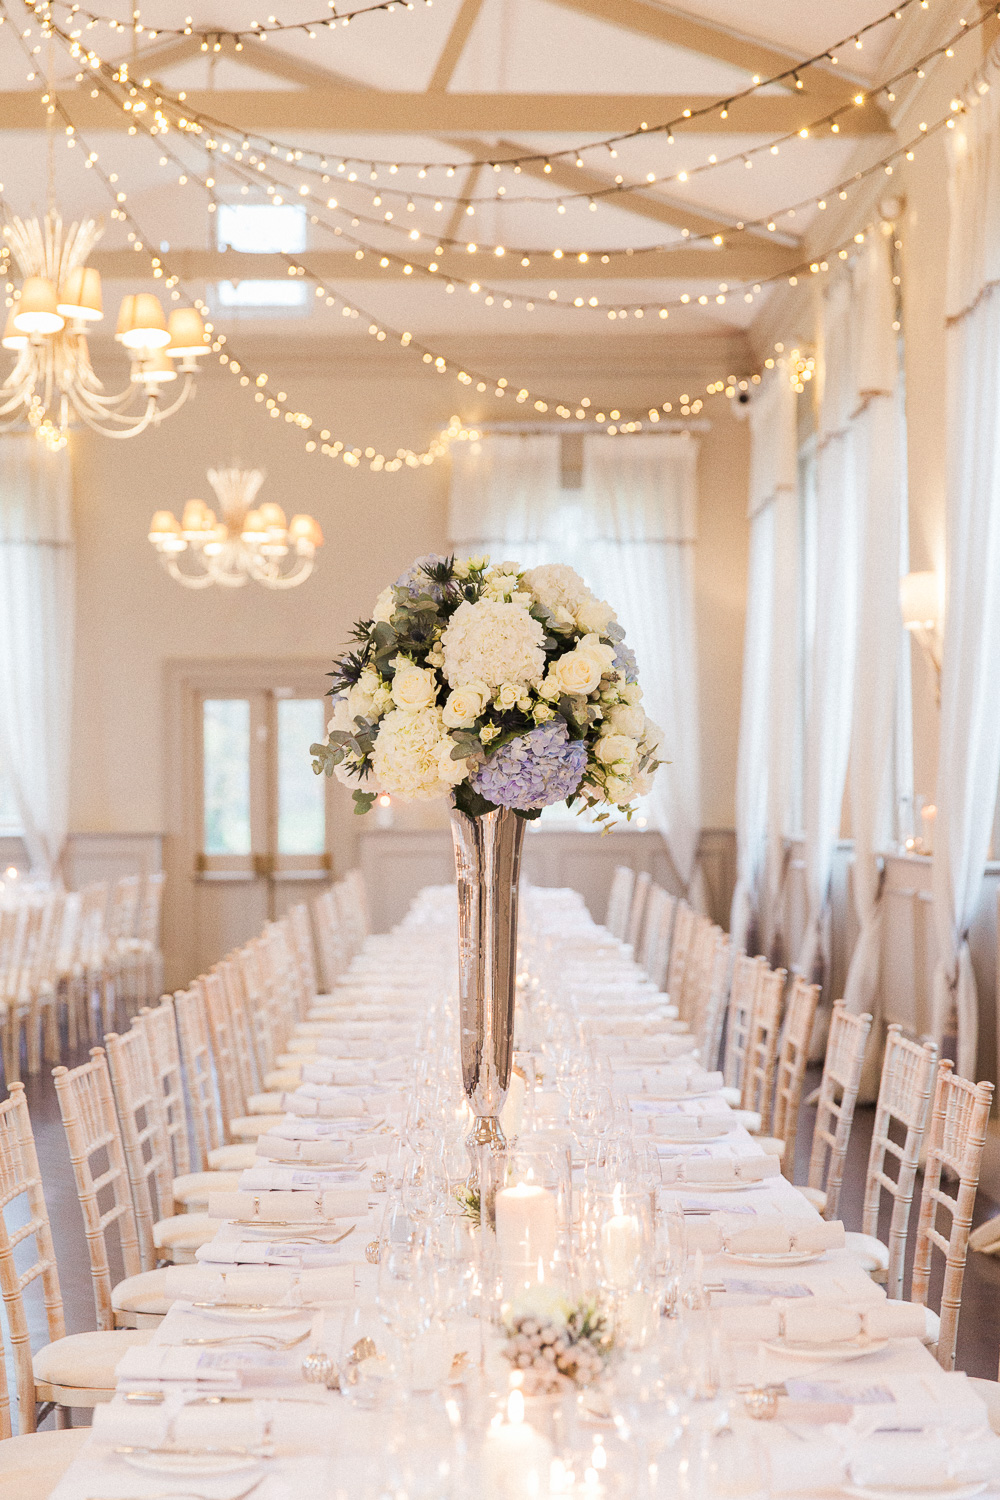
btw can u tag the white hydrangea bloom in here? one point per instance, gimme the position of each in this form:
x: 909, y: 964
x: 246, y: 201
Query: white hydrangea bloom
x: 558, y: 587
x: 408, y: 754
x: 494, y: 643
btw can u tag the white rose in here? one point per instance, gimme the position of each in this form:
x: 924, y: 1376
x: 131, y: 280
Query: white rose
x: 618, y: 790
x: 542, y: 713
x: 360, y: 702
x: 465, y: 704
x: 342, y: 722
x: 413, y: 687
x: 624, y: 719
x: 462, y: 567
x: 615, y: 748
x: 449, y: 770
x: 384, y: 606
x: 630, y: 692
x: 580, y: 671
x: 382, y: 701
x: 507, y: 694
x: 594, y: 614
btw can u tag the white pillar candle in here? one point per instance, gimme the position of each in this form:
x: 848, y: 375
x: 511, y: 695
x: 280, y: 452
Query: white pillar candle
x: 517, y: 1459
x: 621, y: 1241
x: 526, y: 1224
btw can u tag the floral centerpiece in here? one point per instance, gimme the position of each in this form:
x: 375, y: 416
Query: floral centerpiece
x: 554, y: 1344
x: 496, y: 686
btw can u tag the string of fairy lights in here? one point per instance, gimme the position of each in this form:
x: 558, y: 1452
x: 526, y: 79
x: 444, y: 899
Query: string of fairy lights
x: 215, y: 36
x: 508, y: 297
x: 139, y: 98
x: 211, y: 40
x: 321, y: 440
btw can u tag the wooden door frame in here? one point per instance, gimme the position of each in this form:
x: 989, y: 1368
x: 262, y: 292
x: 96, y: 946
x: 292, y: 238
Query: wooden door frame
x: 184, y: 678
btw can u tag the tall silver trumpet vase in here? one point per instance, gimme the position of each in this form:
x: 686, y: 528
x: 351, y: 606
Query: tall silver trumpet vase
x: 488, y: 869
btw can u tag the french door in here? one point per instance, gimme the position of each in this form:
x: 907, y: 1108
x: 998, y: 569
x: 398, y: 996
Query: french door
x: 254, y: 821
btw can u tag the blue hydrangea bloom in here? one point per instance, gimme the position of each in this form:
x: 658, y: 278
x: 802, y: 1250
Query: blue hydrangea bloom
x: 535, y: 770
x: 625, y: 662
x: 416, y: 581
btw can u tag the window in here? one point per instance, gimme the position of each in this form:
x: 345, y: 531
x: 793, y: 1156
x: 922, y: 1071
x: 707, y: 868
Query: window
x: 264, y: 811
x: 261, y: 229
x: 250, y: 294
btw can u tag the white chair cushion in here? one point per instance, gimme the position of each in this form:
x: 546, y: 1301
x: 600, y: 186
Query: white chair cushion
x: 147, y: 1292
x: 989, y: 1390
x: 232, y: 1158
x: 283, y: 1078
x: 31, y: 1466
x: 867, y: 1250
x: 185, y: 1231
x: 771, y: 1145
x: 86, y: 1361
x: 815, y: 1196
x: 194, y: 1187
x: 263, y: 1104
x: 249, y: 1127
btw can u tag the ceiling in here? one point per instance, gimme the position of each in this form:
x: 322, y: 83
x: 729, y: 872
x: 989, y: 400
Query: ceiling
x: 452, y: 82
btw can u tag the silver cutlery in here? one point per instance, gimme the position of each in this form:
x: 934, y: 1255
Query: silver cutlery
x: 170, y: 1450
x: 266, y: 1340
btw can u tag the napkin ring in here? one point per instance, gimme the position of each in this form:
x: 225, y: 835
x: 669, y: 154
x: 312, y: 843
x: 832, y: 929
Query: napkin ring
x: 378, y: 1182
x: 373, y: 1252
x: 255, y: 1208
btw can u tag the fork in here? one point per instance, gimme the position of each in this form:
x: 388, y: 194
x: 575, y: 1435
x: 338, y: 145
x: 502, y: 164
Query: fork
x: 266, y: 1340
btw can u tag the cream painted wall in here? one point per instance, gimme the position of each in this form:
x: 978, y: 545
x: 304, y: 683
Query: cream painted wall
x: 132, y: 618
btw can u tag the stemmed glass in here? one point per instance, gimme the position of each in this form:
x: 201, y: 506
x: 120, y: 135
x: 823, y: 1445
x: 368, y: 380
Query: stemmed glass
x: 405, y: 1297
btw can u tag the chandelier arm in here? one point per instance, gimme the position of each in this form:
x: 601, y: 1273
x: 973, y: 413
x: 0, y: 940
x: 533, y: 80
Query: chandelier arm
x: 19, y: 399
x: 140, y: 425
x: 189, y: 580
x: 289, y: 580
x: 187, y: 391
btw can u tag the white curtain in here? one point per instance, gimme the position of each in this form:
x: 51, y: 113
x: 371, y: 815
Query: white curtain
x: 629, y: 530
x: 969, y: 751
x: 36, y: 641
x: 764, y: 757
x: 831, y: 677
x: 879, y: 471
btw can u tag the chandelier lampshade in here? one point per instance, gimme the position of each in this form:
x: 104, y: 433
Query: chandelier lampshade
x: 37, y: 310
x: 250, y: 542
x: 80, y: 297
x: 52, y: 385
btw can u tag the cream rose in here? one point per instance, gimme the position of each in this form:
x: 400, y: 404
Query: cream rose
x: 613, y: 749
x: 507, y: 694
x: 618, y: 790
x: 622, y: 718
x: 413, y: 687
x: 465, y: 704
x: 450, y: 770
x: 580, y: 671
x: 594, y: 615
x: 384, y: 606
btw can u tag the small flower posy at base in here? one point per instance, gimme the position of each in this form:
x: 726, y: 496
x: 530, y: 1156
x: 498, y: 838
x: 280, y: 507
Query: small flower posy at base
x: 495, y: 687
x: 468, y: 1200
x: 555, y: 1345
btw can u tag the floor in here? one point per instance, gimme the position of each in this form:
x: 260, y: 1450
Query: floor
x: 979, y: 1328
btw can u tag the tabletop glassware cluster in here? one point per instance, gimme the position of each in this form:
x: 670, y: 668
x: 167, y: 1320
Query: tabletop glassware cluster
x: 621, y: 1325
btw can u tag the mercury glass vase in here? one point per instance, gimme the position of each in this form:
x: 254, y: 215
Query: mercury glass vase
x: 487, y: 868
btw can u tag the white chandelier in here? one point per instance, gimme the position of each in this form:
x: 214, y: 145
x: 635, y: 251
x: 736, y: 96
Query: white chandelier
x: 246, y: 544
x: 53, y: 384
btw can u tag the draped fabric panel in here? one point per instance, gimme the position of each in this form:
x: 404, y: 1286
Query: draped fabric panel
x: 764, y: 755
x: 879, y: 472
x: 629, y: 530
x: 36, y: 641
x: 969, y: 750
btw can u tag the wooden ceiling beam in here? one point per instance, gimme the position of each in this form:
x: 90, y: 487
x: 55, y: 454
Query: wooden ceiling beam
x: 369, y: 112
x: 451, y: 52
x: 733, y: 264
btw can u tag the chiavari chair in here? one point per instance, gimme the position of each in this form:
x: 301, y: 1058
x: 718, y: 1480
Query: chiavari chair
x: 619, y: 901
x: 163, y: 1233
x: 655, y: 946
x: 955, y: 1142
x: 301, y: 935
x: 190, y: 1189
x: 85, y: 976
x: 140, y: 956
x: 838, y: 1094
x: 680, y: 945
x: 637, y: 909
x: 331, y: 939
x: 74, y: 1370
x: 710, y: 1012
x: 904, y: 1098
x: 200, y: 1079
x: 761, y: 1059
x: 747, y: 975
x: 793, y: 1060
x: 15, y: 928
x: 226, y: 1047
x: 123, y: 914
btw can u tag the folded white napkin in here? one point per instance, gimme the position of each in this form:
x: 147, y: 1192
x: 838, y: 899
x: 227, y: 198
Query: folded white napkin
x: 780, y: 1236
x: 654, y: 1049
x: 169, y: 1362
x: 921, y: 1461
x: 671, y: 1082
x: 707, y: 1171
x: 291, y: 1178
x: 342, y: 1074
x: 683, y: 1127
x: 295, y: 1254
x: 273, y: 1147
x: 324, y: 1101
x: 285, y: 1207
x: 816, y: 1322
x: 894, y: 1320
x: 331, y: 1046
x: 281, y: 1424
x: 271, y: 1286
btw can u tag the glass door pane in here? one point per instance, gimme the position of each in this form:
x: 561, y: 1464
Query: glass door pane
x: 301, y: 793
x: 226, y: 776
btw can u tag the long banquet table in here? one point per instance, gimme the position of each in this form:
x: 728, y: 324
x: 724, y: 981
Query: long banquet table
x: 240, y: 1418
